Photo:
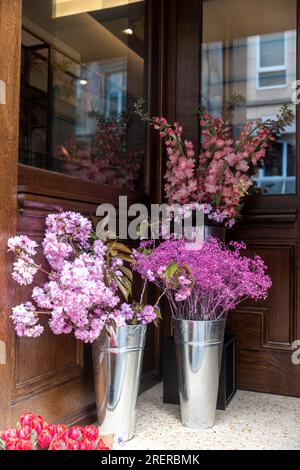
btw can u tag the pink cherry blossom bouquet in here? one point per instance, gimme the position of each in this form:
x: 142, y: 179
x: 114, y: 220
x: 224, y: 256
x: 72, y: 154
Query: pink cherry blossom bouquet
x: 203, y: 284
x: 88, y: 285
x: 107, y: 158
x: 34, y: 433
x: 222, y: 175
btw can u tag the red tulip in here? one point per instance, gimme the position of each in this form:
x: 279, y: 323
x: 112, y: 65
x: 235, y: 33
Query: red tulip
x: 73, y: 444
x: 11, y: 444
x: 34, y: 422
x: 26, y: 419
x: 75, y: 433
x: 8, y: 434
x: 101, y: 446
x: 24, y: 444
x: 90, y: 432
x: 24, y: 432
x: 50, y: 436
x: 37, y: 424
x: 62, y: 431
x: 51, y: 428
x: 58, y: 444
x: 86, y: 444
x: 45, y: 438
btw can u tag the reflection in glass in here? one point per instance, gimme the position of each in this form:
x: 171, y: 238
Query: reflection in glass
x: 249, y: 49
x: 81, y: 73
x: 34, y: 99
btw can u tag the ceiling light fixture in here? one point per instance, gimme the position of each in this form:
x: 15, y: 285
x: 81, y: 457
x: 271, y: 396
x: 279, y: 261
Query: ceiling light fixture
x: 128, y: 31
x: 83, y: 82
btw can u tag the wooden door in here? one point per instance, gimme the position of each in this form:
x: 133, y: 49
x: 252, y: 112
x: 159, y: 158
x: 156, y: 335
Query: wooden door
x: 52, y: 376
x: 267, y: 330
x: 225, y: 47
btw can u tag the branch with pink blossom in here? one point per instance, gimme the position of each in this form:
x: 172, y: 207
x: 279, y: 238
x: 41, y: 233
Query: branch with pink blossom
x: 88, y: 286
x: 223, y: 174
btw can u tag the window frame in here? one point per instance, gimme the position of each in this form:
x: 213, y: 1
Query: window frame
x: 271, y: 68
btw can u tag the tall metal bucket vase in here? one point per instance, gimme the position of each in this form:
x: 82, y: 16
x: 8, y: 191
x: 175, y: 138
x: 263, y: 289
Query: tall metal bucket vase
x: 199, y: 348
x: 117, y: 362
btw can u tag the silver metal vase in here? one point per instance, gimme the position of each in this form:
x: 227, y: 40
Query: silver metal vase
x: 199, y: 348
x: 117, y: 361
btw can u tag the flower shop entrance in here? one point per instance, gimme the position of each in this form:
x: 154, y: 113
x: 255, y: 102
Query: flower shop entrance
x: 218, y: 44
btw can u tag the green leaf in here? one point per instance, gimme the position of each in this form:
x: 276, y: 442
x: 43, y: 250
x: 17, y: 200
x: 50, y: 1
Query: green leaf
x: 156, y: 322
x: 158, y: 313
x: 240, y: 207
x: 33, y: 438
x: 122, y: 248
x: 126, y: 271
x: 128, y: 259
x: 108, y: 332
x: 114, y: 325
x: 135, y: 304
x: 217, y: 200
x: 127, y: 283
x: 2, y: 445
x: 97, y: 442
x: 122, y: 288
x: 171, y: 270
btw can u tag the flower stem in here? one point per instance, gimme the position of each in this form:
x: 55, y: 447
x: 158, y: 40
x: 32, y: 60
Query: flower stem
x: 143, y: 291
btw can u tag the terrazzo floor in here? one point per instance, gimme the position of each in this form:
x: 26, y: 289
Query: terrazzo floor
x: 252, y: 421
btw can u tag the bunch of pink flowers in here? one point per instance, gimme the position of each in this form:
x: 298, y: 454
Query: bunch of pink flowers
x: 84, y: 287
x: 222, y: 175
x: 202, y: 284
x: 33, y: 433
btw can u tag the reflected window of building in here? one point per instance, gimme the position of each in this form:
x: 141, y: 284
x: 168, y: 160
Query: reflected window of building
x: 277, y: 175
x: 249, y: 49
x: 272, y: 60
x: 83, y: 67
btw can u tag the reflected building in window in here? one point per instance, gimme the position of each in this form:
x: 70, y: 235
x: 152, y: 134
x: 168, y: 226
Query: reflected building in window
x: 82, y: 71
x: 242, y: 54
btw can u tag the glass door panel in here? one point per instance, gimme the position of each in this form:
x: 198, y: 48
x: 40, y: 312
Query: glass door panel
x: 249, y: 49
x: 84, y: 66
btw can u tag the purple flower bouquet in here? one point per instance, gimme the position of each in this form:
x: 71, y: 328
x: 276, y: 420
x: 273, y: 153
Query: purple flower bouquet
x: 203, y: 284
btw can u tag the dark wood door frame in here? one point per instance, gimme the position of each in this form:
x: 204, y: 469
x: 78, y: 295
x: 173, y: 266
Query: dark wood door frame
x: 183, y: 70
x: 10, y: 40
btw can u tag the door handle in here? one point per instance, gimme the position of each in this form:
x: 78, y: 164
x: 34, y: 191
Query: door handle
x: 2, y: 353
x: 2, y: 92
